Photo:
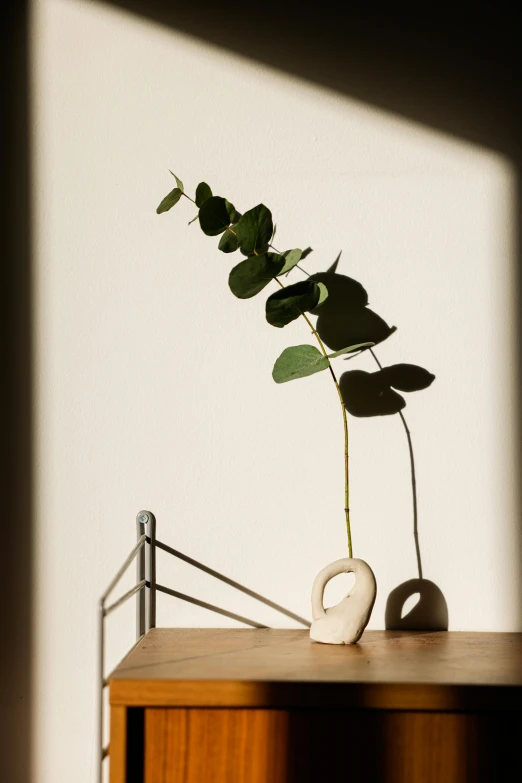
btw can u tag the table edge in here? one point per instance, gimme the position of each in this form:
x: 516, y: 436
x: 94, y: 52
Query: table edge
x: 347, y: 695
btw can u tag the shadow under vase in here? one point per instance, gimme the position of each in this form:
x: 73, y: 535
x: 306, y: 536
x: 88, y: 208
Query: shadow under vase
x: 430, y: 613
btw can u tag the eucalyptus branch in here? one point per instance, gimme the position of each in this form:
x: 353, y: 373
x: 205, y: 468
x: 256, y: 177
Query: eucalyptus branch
x: 343, y: 408
x: 252, y: 233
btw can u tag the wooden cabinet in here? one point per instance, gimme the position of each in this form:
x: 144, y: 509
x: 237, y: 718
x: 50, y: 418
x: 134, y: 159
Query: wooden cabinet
x: 269, y: 706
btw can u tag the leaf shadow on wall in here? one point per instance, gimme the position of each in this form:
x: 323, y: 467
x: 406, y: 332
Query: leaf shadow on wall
x: 345, y: 319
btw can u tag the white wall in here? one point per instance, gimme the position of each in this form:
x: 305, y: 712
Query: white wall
x: 154, y: 383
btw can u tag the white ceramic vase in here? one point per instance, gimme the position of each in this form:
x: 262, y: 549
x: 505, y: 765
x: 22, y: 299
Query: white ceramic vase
x: 344, y: 622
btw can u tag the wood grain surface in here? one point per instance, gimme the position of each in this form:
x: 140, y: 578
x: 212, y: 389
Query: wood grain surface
x: 278, y: 746
x: 223, y: 746
x: 399, y: 670
x: 118, y: 745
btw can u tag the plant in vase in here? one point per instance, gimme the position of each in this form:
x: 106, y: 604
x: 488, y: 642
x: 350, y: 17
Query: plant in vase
x: 252, y: 234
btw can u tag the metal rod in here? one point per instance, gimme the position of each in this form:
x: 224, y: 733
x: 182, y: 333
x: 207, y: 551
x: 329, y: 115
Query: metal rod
x: 124, y: 567
x: 151, y: 575
x: 125, y: 597
x: 231, y: 582
x: 140, y: 574
x: 211, y: 607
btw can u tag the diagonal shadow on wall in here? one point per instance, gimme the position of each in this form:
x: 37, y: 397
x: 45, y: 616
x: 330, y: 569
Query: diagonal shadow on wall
x: 455, y: 71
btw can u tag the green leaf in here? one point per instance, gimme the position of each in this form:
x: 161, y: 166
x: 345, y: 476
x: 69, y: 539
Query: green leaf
x: 298, y: 362
x: 350, y: 348
x: 233, y: 214
x: 193, y: 220
x: 169, y: 201
x: 288, y: 304
x: 179, y: 183
x: 323, y: 295
x: 254, y: 230
x: 203, y: 193
x: 228, y: 242
x: 250, y: 276
x: 292, y: 258
x: 213, y: 216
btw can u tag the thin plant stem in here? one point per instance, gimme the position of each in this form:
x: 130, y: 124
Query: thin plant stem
x: 343, y: 408
x: 345, y: 425
x: 190, y: 199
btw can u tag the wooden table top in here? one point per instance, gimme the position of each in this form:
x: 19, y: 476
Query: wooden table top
x: 282, y: 668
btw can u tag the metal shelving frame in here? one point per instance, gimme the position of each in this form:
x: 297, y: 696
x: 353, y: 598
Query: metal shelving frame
x: 145, y: 590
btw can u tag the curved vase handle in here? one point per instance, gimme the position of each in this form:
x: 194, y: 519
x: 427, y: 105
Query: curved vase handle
x: 345, y: 565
